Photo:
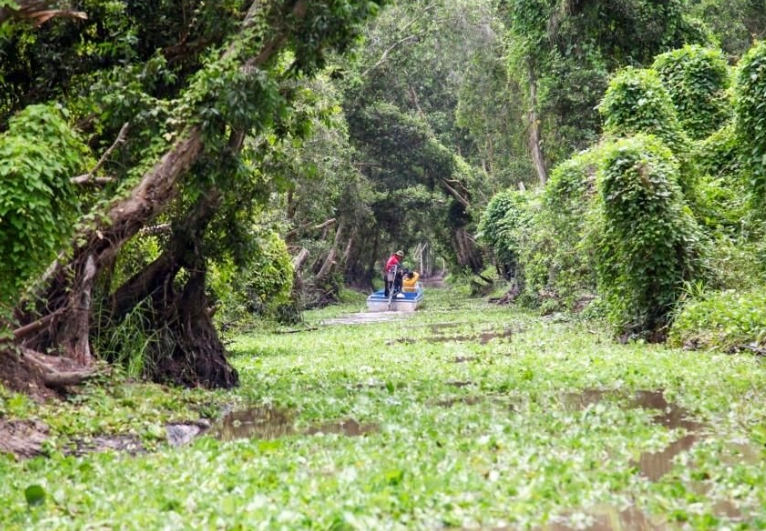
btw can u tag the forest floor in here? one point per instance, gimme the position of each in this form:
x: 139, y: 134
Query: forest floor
x: 464, y: 415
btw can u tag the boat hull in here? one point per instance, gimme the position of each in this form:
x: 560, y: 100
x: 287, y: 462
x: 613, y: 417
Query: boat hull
x: 403, y: 302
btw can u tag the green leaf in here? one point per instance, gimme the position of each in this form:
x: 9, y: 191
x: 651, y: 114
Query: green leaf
x: 35, y: 495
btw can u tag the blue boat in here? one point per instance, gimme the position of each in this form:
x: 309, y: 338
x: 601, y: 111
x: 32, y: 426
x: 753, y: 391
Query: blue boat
x: 403, y: 301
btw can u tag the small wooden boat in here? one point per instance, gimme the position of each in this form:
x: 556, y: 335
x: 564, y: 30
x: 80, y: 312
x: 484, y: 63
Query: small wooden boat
x: 405, y: 301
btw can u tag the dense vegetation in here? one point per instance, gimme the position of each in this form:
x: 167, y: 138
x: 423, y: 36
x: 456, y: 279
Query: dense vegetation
x: 173, y: 173
x: 478, y: 416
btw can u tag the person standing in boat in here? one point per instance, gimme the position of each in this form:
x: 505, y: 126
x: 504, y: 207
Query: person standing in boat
x: 392, y: 271
x: 410, y: 280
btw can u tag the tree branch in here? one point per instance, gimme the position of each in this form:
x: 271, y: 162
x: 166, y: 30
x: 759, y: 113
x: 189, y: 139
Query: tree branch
x: 88, y: 177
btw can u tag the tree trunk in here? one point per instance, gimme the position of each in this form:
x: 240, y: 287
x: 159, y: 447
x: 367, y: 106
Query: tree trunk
x: 329, y: 263
x: 467, y: 253
x: 197, y: 357
x: 535, y: 147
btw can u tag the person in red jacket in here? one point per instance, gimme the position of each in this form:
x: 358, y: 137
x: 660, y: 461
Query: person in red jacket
x: 391, y: 271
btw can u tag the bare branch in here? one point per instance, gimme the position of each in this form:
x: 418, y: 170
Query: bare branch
x: 89, y: 177
x: 37, y: 11
x: 386, y: 52
x: 454, y: 193
x: 322, y: 225
x: 162, y: 228
x: 31, y: 328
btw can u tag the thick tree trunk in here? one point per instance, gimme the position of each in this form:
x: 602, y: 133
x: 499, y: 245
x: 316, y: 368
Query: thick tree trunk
x: 198, y: 357
x: 195, y: 356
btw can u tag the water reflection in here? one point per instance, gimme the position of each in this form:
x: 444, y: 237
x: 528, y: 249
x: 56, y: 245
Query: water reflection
x: 272, y: 423
x: 652, y: 465
x: 608, y: 518
x: 483, y: 338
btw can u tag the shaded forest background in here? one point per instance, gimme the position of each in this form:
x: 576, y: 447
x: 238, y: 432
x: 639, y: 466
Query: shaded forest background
x: 172, y: 169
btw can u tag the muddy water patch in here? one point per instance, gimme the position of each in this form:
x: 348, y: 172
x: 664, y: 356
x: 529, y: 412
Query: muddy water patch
x: 22, y: 438
x: 654, y: 465
x: 367, y: 318
x: 460, y: 383
x: 482, y: 338
x: 465, y: 400
x: 436, y: 328
x: 272, y: 423
x: 348, y: 428
x: 607, y: 518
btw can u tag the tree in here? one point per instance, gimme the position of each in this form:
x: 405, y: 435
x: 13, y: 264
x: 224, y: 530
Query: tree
x: 190, y: 124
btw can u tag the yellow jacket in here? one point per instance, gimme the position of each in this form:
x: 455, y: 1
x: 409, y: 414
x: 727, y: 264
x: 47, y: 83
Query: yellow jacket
x: 409, y: 284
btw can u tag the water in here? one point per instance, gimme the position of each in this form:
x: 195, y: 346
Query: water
x: 267, y: 422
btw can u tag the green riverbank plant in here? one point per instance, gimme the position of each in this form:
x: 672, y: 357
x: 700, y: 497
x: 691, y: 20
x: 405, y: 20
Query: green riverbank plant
x: 38, y: 203
x: 649, y: 243
x: 725, y: 320
x: 697, y: 80
x: 637, y: 102
x: 558, y: 255
x: 498, y: 228
x: 751, y: 116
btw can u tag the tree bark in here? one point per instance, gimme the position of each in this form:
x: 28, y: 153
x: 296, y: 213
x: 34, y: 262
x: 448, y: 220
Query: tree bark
x: 330, y: 261
x: 535, y: 147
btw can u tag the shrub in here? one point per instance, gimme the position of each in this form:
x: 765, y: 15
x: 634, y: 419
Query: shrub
x: 260, y: 288
x: 724, y: 320
x: 697, y: 80
x: 720, y: 154
x: 497, y: 228
x: 751, y: 115
x: 556, y: 255
x: 637, y: 102
x: 648, y: 244
x: 38, y: 204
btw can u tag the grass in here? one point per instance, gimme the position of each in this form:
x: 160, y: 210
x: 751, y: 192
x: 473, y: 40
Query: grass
x: 490, y: 441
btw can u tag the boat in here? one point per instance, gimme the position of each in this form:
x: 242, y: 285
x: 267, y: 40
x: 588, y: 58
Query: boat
x: 403, y: 301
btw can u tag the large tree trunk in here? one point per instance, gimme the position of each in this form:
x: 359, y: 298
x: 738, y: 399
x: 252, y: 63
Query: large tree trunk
x: 330, y: 262
x: 189, y: 350
x: 198, y: 357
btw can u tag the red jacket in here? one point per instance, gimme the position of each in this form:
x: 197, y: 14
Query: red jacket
x: 393, y: 261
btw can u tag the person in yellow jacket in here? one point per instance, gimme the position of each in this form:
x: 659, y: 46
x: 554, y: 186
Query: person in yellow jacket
x: 410, y: 281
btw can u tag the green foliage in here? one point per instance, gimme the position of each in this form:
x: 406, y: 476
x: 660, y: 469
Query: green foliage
x: 498, y: 228
x: 720, y: 154
x: 570, y: 48
x: 649, y: 243
x: 722, y: 320
x: 259, y: 287
x: 636, y: 102
x: 697, y: 80
x: 735, y: 260
x: 130, y: 342
x: 751, y: 115
x: 558, y: 256
x: 436, y: 430
x: 721, y: 194
x: 734, y: 23
x: 39, y: 153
